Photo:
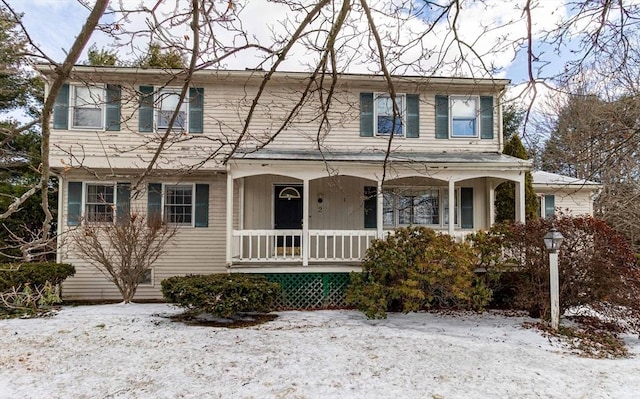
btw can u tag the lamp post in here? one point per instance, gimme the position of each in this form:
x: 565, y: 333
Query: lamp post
x: 553, y: 240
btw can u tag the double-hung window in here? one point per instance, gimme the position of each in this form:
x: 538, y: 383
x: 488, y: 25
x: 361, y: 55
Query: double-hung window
x: 167, y: 103
x: 467, y: 116
x: 157, y: 106
x: 387, y: 119
x: 88, y: 107
x: 178, y: 204
x: 377, y: 116
x: 464, y: 116
x: 99, y: 203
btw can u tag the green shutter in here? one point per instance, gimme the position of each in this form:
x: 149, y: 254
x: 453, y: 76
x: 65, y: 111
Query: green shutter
x: 74, y: 203
x: 196, y: 114
x: 154, y: 202
x: 202, y: 205
x: 413, y: 116
x: 549, y: 205
x: 370, y: 207
x: 61, y: 108
x: 486, y: 117
x: 442, y: 117
x: 145, y: 109
x: 123, y: 202
x: 113, y: 107
x: 366, y: 114
x: 466, y: 207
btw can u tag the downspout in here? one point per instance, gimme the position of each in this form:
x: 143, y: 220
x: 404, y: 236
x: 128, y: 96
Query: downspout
x: 60, y: 219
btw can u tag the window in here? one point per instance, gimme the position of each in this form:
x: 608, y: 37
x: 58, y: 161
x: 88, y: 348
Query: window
x: 377, y: 118
x: 547, y: 206
x: 87, y: 107
x: 464, y: 115
x: 178, y: 204
x: 99, y: 203
x: 385, y: 120
x: 167, y: 103
x: 158, y: 105
x: 146, y: 278
x: 423, y: 206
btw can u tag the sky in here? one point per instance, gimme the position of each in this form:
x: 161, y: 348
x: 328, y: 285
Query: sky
x: 135, y: 351
x: 494, y: 28
x: 53, y: 24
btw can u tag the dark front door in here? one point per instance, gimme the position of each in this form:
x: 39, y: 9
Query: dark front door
x: 288, y: 212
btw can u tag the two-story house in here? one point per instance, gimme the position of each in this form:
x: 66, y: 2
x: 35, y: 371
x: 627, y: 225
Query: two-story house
x: 299, y: 181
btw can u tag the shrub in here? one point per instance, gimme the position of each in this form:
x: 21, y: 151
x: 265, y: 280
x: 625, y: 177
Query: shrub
x: 29, y: 287
x: 222, y: 295
x: 417, y: 269
x: 596, y: 266
x: 34, y: 274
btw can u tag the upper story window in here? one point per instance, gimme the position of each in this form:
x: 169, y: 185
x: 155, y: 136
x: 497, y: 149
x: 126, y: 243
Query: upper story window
x: 88, y: 107
x: 386, y: 119
x: 464, y: 117
x: 167, y: 103
x: 157, y: 106
x: 95, y: 107
x: 377, y: 117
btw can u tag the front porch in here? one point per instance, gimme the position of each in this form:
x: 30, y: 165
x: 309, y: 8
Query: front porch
x: 298, y: 215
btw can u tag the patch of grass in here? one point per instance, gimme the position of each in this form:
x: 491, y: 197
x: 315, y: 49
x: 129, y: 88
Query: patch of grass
x: 240, y: 320
x: 590, y: 337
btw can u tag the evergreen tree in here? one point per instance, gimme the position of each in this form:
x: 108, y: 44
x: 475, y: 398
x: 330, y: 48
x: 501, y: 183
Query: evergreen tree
x: 505, y: 203
x: 101, y: 57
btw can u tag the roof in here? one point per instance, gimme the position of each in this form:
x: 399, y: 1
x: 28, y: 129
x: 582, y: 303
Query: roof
x: 379, y: 156
x: 554, y: 179
x: 48, y: 69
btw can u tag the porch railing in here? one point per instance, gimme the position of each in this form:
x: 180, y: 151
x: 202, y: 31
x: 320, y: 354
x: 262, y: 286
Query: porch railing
x: 286, y: 245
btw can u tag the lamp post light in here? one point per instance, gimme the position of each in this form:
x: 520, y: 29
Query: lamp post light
x: 553, y: 240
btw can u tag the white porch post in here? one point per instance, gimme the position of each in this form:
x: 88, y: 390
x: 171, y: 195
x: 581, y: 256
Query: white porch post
x: 491, y: 202
x: 520, y: 199
x: 379, y: 211
x: 241, y: 203
x: 452, y: 204
x: 229, y: 217
x: 305, y: 222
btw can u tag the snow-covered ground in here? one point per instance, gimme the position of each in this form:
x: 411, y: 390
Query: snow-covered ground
x: 128, y: 351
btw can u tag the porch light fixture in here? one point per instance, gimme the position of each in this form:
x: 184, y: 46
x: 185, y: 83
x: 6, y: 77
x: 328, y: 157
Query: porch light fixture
x: 289, y: 193
x: 553, y: 240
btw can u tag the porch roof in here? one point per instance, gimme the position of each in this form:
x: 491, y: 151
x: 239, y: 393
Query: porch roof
x: 379, y: 157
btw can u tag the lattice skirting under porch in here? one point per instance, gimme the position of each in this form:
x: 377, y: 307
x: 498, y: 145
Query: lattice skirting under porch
x: 307, y: 291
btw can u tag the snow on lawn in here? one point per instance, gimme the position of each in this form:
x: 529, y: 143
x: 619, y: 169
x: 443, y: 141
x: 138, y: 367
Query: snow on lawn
x: 129, y: 351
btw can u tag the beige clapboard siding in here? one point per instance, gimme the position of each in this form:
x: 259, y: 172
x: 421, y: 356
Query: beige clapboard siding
x: 226, y: 107
x: 571, y: 200
x: 193, y: 250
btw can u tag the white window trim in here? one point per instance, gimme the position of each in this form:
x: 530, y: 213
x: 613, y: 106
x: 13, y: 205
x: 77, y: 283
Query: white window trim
x: 85, y: 192
x: 156, y: 109
x: 477, y: 124
x: 193, y: 203
x: 72, y: 101
x: 403, y: 114
x: 442, y: 191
